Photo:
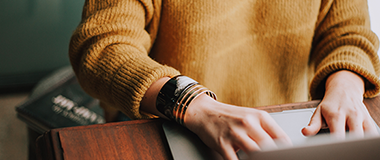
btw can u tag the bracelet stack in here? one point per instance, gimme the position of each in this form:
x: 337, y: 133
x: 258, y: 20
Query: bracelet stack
x: 176, y: 95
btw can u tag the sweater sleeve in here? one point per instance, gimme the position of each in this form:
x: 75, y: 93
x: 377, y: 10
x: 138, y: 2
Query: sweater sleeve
x: 109, y: 52
x: 343, y: 40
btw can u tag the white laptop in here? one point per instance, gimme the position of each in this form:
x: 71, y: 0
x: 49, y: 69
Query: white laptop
x: 185, y: 145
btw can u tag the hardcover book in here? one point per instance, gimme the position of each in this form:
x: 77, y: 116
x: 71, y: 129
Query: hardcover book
x: 59, y: 101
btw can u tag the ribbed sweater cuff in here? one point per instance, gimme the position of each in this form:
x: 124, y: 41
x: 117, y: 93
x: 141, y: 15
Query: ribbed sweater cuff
x: 346, y: 58
x: 129, y: 85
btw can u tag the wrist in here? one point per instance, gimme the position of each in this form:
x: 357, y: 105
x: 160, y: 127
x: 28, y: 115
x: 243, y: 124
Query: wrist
x: 200, y: 108
x: 177, y: 94
x: 345, y: 80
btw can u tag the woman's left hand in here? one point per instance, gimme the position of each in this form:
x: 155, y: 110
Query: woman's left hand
x: 342, y: 107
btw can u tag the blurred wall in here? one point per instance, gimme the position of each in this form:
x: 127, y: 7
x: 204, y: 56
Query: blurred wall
x: 34, y: 38
x: 374, y: 13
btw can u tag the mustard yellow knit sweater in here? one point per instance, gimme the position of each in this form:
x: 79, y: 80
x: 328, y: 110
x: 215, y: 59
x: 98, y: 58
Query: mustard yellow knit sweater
x: 249, y: 52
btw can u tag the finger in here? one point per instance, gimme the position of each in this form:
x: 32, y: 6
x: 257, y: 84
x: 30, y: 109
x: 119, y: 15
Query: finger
x: 370, y: 128
x: 272, y: 131
x: 247, y: 144
x: 228, y: 152
x: 315, y: 124
x: 355, y: 125
x: 337, y: 125
x: 263, y: 139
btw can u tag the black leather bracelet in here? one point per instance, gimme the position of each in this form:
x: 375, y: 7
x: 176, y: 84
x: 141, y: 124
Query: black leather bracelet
x: 175, y: 96
x: 170, y: 92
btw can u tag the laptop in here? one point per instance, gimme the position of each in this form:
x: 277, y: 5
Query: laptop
x: 185, y: 145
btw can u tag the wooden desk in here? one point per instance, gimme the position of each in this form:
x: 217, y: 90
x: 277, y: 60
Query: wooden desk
x: 139, y: 139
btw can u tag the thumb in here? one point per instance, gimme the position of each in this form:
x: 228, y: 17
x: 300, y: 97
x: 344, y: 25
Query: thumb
x: 315, y: 124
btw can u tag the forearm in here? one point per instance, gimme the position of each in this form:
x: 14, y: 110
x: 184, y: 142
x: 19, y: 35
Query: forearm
x: 109, y: 54
x: 345, y: 42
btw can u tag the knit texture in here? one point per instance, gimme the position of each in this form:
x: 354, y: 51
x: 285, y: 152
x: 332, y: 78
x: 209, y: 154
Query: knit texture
x: 250, y: 52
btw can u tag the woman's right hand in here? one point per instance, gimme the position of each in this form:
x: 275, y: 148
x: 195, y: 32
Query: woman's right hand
x: 227, y: 128
x: 224, y: 128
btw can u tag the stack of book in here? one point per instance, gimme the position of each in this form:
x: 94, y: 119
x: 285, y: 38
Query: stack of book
x: 59, y: 101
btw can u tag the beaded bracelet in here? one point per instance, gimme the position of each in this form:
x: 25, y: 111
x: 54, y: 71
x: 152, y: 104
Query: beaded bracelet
x: 176, y: 95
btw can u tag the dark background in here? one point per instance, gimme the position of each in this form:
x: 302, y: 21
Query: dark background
x: 34, y: 39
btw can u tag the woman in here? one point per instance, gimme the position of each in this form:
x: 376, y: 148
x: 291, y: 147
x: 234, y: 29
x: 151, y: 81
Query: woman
x: 129, y: 53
